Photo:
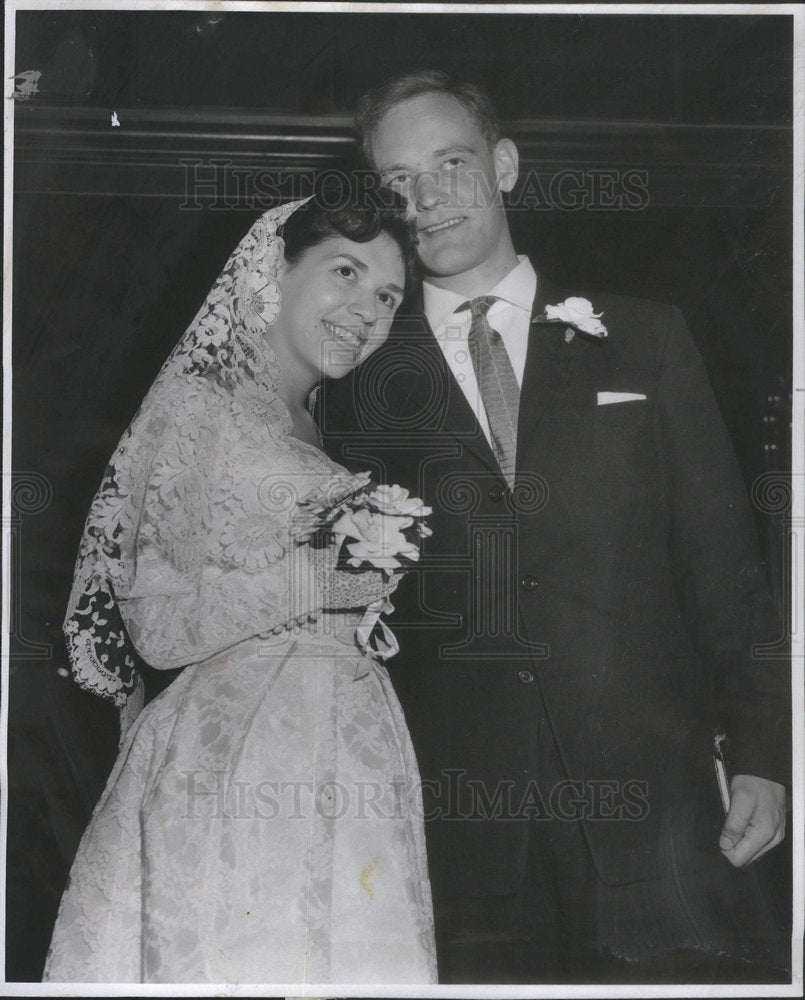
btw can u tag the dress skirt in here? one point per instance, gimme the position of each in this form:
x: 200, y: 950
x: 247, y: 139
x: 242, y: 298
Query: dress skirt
x: 262, y: 824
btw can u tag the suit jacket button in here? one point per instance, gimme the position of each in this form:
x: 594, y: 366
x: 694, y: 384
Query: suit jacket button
x: 525, y: 677
x: 496, y: 493
x: 529, y: 582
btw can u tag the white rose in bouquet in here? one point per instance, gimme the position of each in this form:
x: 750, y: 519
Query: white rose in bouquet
x: 377, y: 538
x: 396, y: 500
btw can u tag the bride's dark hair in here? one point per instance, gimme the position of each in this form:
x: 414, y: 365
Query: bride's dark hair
x: 350, y: 208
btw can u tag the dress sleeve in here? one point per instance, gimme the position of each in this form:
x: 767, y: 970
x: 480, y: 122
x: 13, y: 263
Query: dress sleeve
x: 215, y: 561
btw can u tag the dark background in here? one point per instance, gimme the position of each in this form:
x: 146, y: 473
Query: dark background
x: 111, y: 262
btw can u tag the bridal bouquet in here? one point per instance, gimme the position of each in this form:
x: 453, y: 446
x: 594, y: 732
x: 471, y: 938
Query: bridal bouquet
x: 371, y: 526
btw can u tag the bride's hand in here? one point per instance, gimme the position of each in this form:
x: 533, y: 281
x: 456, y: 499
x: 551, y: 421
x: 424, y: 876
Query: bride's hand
x: 343, y: 589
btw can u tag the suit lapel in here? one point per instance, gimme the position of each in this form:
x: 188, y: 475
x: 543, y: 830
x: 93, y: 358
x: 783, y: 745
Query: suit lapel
x: 454, y: 416
x: 549, y: 367
x: 550, y: 362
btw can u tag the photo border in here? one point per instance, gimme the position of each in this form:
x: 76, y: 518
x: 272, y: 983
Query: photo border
x: 797, y: 826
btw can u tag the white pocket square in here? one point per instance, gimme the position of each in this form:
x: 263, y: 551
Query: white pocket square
x: 604, y: 398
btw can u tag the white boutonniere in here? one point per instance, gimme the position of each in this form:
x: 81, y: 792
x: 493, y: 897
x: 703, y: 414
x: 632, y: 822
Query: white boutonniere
x: 576, y: 313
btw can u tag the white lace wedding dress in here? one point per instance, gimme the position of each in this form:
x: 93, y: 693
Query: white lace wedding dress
x: 263, y: 823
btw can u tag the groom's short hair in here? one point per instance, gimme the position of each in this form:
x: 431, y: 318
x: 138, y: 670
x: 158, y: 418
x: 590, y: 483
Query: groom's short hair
x: 374, y: 104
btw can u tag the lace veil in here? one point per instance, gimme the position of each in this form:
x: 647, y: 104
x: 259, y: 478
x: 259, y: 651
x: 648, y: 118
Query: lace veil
x: 224, y: 348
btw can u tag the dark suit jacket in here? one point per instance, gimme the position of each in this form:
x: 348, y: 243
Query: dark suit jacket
x: 619, y: 585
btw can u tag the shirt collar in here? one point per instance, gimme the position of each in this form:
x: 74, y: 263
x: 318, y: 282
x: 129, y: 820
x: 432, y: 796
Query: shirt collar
x: 518, y: 288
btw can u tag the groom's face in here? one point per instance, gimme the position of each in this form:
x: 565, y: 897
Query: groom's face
x: 430, y: 149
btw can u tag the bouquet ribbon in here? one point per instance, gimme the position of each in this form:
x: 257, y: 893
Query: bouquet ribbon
x: 374, y: 646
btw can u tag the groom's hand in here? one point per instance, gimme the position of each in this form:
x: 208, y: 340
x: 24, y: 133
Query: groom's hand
x: 756, y: 820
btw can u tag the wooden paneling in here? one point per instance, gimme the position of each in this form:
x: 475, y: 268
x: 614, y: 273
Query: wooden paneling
x: 239, y: 156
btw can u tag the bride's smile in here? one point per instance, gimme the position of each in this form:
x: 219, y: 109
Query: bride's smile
x: 338, y: 302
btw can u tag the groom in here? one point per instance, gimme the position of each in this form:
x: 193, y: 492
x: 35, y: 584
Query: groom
x: 591, y: 607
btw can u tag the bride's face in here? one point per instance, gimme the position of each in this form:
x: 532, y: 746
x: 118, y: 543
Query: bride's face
x: 338, y: 301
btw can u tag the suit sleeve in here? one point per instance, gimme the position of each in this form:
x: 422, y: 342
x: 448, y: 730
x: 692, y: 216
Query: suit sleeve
x: 338, y: 414
x: 720, y: 578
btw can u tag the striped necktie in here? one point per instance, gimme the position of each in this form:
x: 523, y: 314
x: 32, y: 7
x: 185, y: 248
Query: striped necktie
x: 497, y: 383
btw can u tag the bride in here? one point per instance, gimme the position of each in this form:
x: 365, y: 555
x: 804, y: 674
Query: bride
x: 263, y: 821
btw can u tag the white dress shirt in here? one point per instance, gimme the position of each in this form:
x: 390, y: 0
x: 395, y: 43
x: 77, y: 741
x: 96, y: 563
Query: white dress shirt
x: 510, y: 316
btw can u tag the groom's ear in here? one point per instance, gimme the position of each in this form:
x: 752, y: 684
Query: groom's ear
x: 507, y: 162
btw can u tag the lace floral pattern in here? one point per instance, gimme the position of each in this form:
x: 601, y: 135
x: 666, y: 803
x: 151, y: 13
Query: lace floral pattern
x: 197, y: 866
x: 152, y: 491
x: 263, y: 821
x: 262, y: 825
